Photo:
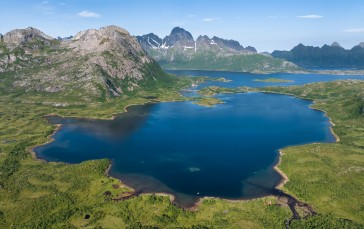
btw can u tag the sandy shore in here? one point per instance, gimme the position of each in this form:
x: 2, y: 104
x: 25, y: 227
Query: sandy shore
x: 283, y: 175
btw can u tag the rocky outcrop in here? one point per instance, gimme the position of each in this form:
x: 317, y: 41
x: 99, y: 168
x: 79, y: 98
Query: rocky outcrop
x: 19, y: 36
x: 102, y: 62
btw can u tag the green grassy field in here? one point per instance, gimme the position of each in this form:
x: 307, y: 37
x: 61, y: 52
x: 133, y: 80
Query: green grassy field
x: 36, y: 194
x: 255, y: 63
x: 208, y: 102
x: 330, y: 176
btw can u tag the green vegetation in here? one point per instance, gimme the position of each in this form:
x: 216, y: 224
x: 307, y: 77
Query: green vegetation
x: 330, y: 176
x: 213, y: 90
x: 221, y: 79
x: 254, y: 63
x: 273, y: 80
x: 36, y: 194
x: 208, y: 102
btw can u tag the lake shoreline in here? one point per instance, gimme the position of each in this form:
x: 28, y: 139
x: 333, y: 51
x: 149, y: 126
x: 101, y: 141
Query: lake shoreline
x: 172, y: 197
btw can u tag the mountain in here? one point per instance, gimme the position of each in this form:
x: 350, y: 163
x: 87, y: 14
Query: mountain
x: 94, y: 64
x: 328, y: 56
x: 180, y: 50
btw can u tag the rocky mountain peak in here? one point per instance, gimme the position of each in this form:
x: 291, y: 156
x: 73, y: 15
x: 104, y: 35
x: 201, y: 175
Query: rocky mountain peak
x: 232, y: 44
x: 107, y: 31
x: 99, y: 62
x: 327, y: 56
x: 179, y: 30
x: 19, y: 36
x: 150, y: 41
x: 361, y: 45
x: 336, y: 44
x: 106, y: 39
x: 179, y: 35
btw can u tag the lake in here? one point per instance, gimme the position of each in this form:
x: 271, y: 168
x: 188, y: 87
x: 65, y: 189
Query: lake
x: 191, y: 151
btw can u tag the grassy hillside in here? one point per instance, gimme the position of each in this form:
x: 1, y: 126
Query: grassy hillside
x: 255, y: 63
x: 35, y: 194
x: 330, y: 176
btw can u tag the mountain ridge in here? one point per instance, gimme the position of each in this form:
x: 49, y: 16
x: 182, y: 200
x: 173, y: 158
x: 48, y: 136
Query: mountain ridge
x: 94, y: 64
x: 180, y: 51
x: 182, y: 38
x: 326, y: 56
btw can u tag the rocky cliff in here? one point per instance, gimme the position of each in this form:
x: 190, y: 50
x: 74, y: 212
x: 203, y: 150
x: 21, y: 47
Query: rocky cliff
x: 179, y: 50
x: 96, y: 63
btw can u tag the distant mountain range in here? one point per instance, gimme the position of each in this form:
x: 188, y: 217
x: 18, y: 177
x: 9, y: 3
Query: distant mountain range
x: 180, y: 50
x: 328, y: 56
x: 180, y: 38
x: 95, y: 64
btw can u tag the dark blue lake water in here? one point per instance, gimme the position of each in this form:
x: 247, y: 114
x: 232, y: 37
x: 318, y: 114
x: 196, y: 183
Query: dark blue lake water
x: 192, y: 151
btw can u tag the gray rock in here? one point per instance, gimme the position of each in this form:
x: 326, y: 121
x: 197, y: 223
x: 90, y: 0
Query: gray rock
x: 18, y: 36
x: 95, y: 62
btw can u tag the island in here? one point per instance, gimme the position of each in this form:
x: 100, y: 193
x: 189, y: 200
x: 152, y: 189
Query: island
x: 208, y: 102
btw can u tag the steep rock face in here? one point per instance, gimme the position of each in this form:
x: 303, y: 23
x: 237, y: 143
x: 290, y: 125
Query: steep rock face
x: 150, y: 41
x: 96, y: 63
x: 113, y: 49
x: 19, y: 36
x: 327, y: 56
x: 179, y: 37
x: 180, y: 51
x: 230, y: 44
x: 182, y: 40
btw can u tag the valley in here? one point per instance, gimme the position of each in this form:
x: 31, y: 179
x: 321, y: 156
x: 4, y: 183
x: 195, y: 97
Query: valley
x: 102, y: 74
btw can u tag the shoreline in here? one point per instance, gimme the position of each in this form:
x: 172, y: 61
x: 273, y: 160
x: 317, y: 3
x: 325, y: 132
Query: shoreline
x: 337, y: 138
x: 59, y: 126
x: 172, y: 197
x: 49, y: 138
x: 303, y: 71
x: 284, y: 176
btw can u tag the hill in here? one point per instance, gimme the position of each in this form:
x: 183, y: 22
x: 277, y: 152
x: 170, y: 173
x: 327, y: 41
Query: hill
x: 327, y: 56
x: 95, y: 65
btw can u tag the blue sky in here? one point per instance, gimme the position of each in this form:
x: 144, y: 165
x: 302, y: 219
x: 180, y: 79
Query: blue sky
x: 264, y: 24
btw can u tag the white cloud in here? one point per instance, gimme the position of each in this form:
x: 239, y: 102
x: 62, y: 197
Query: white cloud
x: 354, y: 30
x: 88, y: 14
x: 210, y: 19
x: 311, y: 16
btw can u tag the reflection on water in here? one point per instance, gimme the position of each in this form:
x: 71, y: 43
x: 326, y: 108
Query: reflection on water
x: 192, y: 151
